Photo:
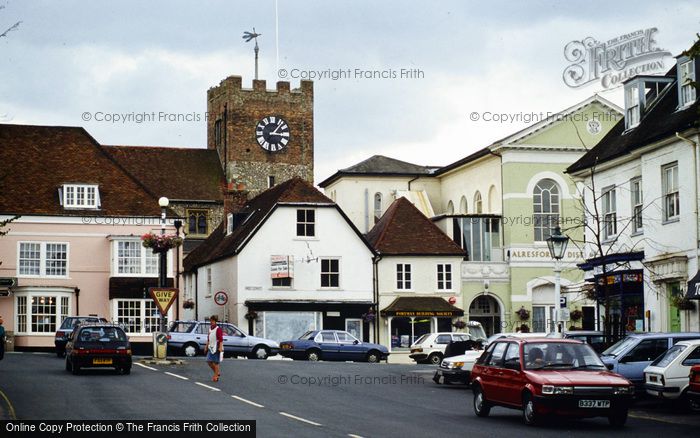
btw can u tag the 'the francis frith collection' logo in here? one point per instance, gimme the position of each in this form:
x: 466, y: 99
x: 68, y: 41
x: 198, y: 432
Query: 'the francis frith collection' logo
x: 613, y: 61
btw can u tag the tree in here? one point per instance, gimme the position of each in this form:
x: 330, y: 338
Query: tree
x: 11, y: 28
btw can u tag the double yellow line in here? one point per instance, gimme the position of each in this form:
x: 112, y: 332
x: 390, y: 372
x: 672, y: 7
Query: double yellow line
x: 9, y: 406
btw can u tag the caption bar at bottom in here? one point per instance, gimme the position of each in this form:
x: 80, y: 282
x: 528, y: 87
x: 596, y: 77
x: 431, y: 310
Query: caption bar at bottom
x: 71, y: 428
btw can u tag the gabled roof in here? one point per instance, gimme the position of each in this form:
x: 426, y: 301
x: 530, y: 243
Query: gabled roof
x: 382, y: 166
x: 218, y: 245
x: 661, y: 121
x: 37, y: 160
x: 404, y: 230
x: 192, y: 174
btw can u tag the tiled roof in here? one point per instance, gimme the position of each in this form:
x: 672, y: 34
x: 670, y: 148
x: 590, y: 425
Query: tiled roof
x: 218, y: 245
x: 404, y: 230
x: 177, y: 173
x: 37, y: 160
x: 380, y: 165
x: 661, y: 121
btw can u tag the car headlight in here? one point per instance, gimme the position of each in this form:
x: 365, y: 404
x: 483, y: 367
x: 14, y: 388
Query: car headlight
x: 454, y: 365
x: 623, y: 390
x: 557, y: 390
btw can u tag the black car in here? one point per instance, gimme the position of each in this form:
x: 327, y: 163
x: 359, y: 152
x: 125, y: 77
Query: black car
x: 66, y: 329
x: 98, y: 345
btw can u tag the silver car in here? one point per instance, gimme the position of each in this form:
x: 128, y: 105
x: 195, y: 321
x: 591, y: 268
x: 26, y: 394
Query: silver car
x: 190, y: 338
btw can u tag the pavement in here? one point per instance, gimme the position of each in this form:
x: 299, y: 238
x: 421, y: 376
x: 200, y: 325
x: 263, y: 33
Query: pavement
x: 292, y: 398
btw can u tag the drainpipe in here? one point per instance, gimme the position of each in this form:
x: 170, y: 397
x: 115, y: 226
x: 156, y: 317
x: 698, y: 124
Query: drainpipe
x: 77, y: 300
x: 196, y: 295
x: 410, y: 181
x: 696, y: 171
x: 375, y: 291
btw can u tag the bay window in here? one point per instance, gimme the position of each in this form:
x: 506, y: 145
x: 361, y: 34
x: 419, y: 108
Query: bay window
x: 41, y: 312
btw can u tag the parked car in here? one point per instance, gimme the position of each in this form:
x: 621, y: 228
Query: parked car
x: 190, y: 338
x: 66, y: 328
x: 668, y: 377
x: 98, y: 345
x: 694, y: 387
x: 457, y: 369
x: 596, y: 339
x: 544, y: 376
x: 318, y: 345
x: 632, y: 354
x: 430, y: 348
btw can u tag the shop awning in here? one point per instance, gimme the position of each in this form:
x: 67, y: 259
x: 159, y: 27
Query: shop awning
x: 421, y: 306
x: 694, y: 287
x: 133, y: 287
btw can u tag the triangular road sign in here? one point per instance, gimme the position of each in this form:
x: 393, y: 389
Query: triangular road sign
x: 164, y: 297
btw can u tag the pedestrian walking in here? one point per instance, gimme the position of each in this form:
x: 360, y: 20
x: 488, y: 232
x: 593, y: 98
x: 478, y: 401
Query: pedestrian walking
x: 215, y: 347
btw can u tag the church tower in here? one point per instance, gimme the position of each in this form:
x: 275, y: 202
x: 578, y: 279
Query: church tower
x: 263, y: 137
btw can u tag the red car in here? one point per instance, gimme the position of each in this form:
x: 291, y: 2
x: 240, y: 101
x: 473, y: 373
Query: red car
x: 694, y: 388
x: 545, y: 376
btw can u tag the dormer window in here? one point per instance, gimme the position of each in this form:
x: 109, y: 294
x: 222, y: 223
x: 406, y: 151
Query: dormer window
x: 686, y: 79
x: 81, y: 196
x: 641, y: 94
x: 632, y: 109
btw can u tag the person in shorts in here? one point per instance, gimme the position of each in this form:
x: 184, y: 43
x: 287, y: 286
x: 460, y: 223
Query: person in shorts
x: 215, y: 347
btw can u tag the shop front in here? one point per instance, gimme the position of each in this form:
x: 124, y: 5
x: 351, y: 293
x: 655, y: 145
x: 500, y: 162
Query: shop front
x: 408, y: 318
x: 625, y: 294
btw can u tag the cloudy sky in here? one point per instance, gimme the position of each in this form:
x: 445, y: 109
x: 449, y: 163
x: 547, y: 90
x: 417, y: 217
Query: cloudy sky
x: 129, y: 57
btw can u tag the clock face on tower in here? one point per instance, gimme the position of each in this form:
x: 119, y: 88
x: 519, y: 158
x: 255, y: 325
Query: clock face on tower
x: 272, y: 133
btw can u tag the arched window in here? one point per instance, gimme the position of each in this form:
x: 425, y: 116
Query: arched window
x: 450, y: 208
x: 493, y: 201
x: 463, y: 205
x: 545, y: 205
x: 377, y: 207
x: 477, y: 203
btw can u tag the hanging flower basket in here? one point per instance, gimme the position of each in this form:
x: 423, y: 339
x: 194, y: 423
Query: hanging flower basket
x: 160, y: 243
x: 523, y: 314
x: 252, y: 315
x: 576, y: 315
x: 682, y: 303
x: 188, y: 304
x: 524, y: 328
x: 459, y: 324
x: 369, y: 316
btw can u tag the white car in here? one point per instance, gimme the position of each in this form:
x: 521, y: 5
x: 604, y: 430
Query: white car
x: 430, y: 348
x: 457, y: 369
x: 668, y: 376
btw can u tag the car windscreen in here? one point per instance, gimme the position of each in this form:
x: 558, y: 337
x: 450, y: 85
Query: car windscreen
x: 181, y: 327
x: 91, y: 335
x: 307, y: 336
x: 665, y: 359
x: 560, y: 355
x: 421, y: 339
x: 619, y: 347
x: 71, y: 323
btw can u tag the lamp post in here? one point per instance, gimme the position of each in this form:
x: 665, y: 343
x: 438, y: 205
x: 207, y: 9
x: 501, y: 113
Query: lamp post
x: 163, y: 266
x: 557, y: 243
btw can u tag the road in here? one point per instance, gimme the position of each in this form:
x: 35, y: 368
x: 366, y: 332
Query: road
x: 289, y: 399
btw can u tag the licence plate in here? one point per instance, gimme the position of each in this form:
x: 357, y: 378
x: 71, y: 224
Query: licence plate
x: 101, y: 361
x: 594, y: 403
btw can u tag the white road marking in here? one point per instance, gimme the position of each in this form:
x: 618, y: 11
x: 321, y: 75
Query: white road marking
x: 207, y: 386
x: 354, y: 436
x: 175, y: 375
x: 304, y: 420
x: 247, y: 401
x: 145, y: 366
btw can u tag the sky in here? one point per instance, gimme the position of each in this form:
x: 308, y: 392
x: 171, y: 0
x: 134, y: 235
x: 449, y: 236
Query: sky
x: 75, y: 63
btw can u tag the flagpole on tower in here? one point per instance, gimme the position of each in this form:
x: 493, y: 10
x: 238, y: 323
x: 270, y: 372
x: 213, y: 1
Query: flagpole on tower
x: 247, y: 36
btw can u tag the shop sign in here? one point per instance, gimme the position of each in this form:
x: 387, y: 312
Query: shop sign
x: 281, y: 266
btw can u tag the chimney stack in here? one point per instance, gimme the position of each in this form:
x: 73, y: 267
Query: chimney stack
x: 235, y: 197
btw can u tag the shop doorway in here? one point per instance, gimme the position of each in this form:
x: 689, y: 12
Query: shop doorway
x: 485, y: 309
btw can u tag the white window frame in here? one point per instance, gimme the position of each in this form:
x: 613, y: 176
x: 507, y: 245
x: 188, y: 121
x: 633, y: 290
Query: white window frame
x: 78, y: 196
x: 609, y: 209
x: 671, y: 194
x: 322, y: 272
x: 144, y: 253
x: 686, y: 75
x: 27, y: 297
x: 403, y: 282
x: 637, y: 200
x: 209, y: 283
x: 444, y: 285
x: 543, y: 220
x: 42, y: 259
x: 142, y: 315
x: 633, y: 107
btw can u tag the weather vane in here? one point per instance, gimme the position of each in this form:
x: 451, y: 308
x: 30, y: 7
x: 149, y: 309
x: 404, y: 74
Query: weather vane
x: 247, y: 36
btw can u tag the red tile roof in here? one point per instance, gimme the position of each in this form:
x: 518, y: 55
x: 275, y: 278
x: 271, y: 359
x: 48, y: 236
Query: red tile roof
x: 404, y: 230
x: 37, y: 160
x: 192, y: 174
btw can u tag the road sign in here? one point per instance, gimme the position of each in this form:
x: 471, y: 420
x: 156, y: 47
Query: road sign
x: 564, y: 315
x: 562, y: 302
x: 220, y: 298
x: 164, y: 297
x: 7, y: 282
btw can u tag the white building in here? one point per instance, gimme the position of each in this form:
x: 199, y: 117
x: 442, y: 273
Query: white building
x: 289, y: 261
x: 644, y: 177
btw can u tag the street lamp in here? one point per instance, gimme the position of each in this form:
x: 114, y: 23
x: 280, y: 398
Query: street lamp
x: 163, y: 265
x: 557, y: 243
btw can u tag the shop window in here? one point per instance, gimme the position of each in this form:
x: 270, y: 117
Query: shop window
x: 40, y: 313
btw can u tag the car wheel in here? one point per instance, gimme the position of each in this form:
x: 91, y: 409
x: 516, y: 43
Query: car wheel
x: 259, y: 352
x: 435, y: 358
x: 530, y: 416
x: 374, y: 356
x: 481, y: 407
x: 190, y: 349
x: 618, y: 418
x: 313, y: 355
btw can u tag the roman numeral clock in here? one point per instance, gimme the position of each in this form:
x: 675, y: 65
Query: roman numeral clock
x: 272, y: 133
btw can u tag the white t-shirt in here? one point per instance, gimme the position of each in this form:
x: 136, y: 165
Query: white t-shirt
x: 213, y: 343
